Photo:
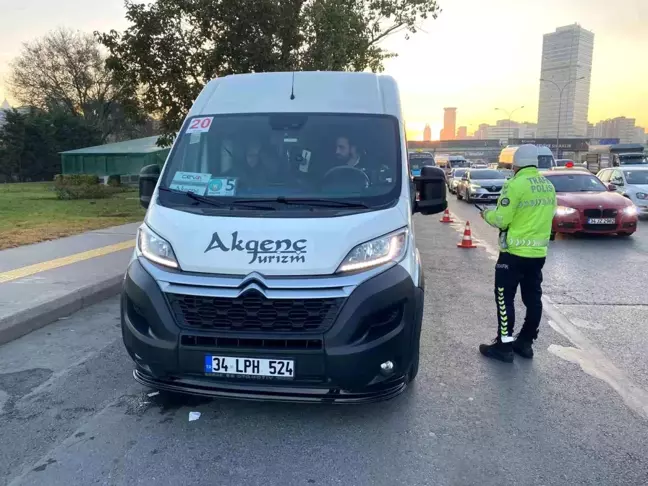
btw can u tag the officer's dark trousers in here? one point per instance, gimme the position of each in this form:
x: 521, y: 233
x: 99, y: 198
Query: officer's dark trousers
x: 511, y: 271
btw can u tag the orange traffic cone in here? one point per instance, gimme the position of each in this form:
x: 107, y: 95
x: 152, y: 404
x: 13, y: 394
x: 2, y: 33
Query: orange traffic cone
x: 466, y: 241
x: 446, y: 217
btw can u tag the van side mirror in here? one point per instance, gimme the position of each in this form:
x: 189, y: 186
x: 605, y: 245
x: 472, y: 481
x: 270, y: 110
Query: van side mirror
x: 431, y: 187
x: 148, y: 179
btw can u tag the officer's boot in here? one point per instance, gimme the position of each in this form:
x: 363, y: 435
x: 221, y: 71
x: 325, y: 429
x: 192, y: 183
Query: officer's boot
x: 523, y: 346
x: 498, y: 350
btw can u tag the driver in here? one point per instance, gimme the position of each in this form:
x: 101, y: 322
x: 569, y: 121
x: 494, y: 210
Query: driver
x: 346, y: 152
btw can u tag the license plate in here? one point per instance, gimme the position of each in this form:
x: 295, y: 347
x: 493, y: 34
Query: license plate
x: 227, y: 365
x: 601, y: 221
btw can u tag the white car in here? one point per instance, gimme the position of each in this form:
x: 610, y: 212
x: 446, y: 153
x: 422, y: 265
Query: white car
x: 631, y: 182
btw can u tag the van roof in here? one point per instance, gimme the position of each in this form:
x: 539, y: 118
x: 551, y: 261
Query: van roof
x: 314, y: 92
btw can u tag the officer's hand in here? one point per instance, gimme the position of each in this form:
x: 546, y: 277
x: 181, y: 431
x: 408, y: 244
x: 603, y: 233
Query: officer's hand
x: 481, y: 213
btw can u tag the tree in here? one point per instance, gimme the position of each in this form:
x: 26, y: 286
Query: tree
x: 66, y: 70
x: 173, y: 47
x: 30, y: 142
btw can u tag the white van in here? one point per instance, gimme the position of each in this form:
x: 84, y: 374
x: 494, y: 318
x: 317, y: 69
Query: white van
x: 277, y: 259
x: 546, y: 159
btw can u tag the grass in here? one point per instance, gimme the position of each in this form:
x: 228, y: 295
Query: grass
x: 30, y: 213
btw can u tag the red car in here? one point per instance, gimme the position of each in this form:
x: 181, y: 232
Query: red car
x: 586, y: 205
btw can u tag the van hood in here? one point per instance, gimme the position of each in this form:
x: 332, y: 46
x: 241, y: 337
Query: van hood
x: 270, y: 246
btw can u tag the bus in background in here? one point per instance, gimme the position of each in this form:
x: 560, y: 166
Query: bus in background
x: 546, y: 159
x: 449, y: 162
x: 417, y: 160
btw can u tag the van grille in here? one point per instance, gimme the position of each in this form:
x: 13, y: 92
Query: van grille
x: 253, y: 312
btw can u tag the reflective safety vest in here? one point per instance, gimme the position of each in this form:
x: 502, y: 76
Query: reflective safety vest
x: 524, y: 214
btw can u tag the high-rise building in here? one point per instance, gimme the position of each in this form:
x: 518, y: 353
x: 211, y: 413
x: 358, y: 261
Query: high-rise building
x: 462, y: 133
x: 503, y: 130
x: 482, y: 132
x: 427, y: 133
x: 566, y: 58
x: 620, y: 127
x: 449, y: 124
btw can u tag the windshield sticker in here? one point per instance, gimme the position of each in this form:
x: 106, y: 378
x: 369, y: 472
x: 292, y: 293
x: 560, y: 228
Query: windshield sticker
x: 262, y: 251
x: 222, y: 186
x: 199, y: 125
x: 194, y: 138
x: 195, y: 182
x: 305, y: 162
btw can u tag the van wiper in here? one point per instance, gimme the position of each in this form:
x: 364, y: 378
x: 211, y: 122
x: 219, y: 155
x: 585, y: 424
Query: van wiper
x: 216, y: 202
x: 318, y: 202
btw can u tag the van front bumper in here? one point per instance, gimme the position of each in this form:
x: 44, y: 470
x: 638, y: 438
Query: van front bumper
x: 379, y: 321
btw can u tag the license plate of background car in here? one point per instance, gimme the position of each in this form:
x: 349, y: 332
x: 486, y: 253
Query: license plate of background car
x: 601, y: 221
x: 267, y: 368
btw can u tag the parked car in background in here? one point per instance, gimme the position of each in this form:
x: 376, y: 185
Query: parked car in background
x: 631, y: 182
x: 586, y: 205
x: 454, y: 179
x: 480, y: 185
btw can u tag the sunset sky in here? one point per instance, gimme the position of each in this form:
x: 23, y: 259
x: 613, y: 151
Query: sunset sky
x: 476, y: 56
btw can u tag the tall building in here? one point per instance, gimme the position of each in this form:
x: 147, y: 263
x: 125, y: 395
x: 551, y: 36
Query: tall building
x: 566, y: 57
x: 620, y: 127
x: 427, y: 133
x: 503, y: 131
x: 482, y: 132
x: 462, y: 133
x: 449, y: 124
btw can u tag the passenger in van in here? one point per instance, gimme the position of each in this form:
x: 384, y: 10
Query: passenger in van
x: 253, y: 170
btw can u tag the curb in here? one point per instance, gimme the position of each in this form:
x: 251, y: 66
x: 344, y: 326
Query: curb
x: 24, y: 322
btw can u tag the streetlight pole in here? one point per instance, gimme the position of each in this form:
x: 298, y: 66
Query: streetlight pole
x: 560, y: 91
x: 509, y: 114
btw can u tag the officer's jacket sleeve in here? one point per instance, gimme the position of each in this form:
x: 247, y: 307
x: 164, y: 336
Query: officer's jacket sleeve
x: 507, y: 204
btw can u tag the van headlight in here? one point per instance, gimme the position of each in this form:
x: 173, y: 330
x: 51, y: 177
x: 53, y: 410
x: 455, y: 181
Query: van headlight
x: 388, y: 248
x: 155, y: 248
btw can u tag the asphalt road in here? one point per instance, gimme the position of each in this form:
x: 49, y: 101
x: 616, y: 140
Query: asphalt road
x: 70, y: 413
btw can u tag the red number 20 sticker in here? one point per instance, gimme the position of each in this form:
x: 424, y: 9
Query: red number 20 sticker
x: 199, y: 125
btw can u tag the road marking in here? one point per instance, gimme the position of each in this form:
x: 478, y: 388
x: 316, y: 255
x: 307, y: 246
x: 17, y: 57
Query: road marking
x: 61, y: 262
x: 585, y: 354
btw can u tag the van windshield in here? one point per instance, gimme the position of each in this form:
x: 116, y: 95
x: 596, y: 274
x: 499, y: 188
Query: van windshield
x: 276, y: 157
x: 418, y: 162
x: 545, y: 161
x: 459, y: 163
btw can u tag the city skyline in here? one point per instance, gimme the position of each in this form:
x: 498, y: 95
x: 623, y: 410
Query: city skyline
x: 496, y: 61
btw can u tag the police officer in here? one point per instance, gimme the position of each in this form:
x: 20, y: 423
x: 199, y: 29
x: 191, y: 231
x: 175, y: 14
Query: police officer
x: 524, y: 216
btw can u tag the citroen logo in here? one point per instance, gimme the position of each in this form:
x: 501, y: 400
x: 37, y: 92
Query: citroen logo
x: 600, y: 207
